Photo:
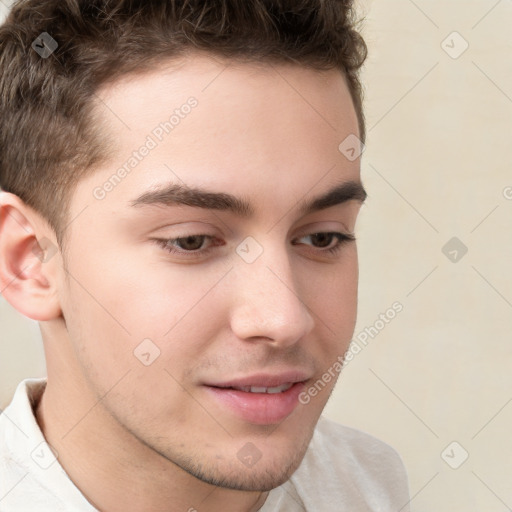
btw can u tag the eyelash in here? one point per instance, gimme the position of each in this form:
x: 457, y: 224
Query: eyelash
x: 166, y: 243
x: 342, y: 239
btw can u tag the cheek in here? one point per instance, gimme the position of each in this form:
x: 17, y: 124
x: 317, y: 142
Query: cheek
x: 143, y: 374
x: 333, y: 298
x: 127, y: 311
x: 335, y: 309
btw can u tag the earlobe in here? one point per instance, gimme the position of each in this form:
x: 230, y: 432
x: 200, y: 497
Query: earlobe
x: 27, y: 261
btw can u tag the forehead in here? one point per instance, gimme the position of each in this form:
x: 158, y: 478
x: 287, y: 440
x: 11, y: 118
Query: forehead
x: 219, y: 78
x: 262, y: 128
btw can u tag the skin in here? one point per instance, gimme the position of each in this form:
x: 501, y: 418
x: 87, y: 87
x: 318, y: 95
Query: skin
x: 153, y: 433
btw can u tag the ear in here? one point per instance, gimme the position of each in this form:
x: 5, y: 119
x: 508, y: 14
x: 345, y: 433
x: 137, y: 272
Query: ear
x: 28, y: 260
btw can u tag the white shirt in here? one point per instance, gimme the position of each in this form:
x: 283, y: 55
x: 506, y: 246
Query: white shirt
x: 344, y: 470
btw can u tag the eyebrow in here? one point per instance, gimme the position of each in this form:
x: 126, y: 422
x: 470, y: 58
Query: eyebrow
x: 179, y: 194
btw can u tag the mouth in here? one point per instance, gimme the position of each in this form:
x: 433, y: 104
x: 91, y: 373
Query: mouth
x: 260, y: 400
x: 263, y: 389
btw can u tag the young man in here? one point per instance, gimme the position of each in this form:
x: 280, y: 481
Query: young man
x: 181, y: 182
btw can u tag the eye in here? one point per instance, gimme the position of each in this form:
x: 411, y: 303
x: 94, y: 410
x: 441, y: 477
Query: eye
x: 192, y: 245
x: 330, y: 242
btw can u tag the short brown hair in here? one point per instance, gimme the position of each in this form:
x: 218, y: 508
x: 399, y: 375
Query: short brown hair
x: 48, y: 138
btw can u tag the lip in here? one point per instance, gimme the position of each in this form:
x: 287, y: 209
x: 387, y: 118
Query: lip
x: 265, y: 380
x: 259, y: 408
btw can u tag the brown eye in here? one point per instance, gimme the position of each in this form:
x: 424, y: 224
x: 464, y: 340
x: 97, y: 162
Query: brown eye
x: 190, y: 243
x: 322, y: 239
x: 190, y: 246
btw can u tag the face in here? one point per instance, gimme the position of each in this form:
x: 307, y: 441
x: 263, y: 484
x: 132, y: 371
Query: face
x: 205, y: 287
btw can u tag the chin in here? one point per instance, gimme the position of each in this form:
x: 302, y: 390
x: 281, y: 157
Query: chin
x: 265, y: 474
x: 261, y: 479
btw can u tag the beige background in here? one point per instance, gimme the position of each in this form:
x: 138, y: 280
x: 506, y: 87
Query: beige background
x: 437, y: 166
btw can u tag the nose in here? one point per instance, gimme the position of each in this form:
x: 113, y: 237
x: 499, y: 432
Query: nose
x: 267, y: 302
